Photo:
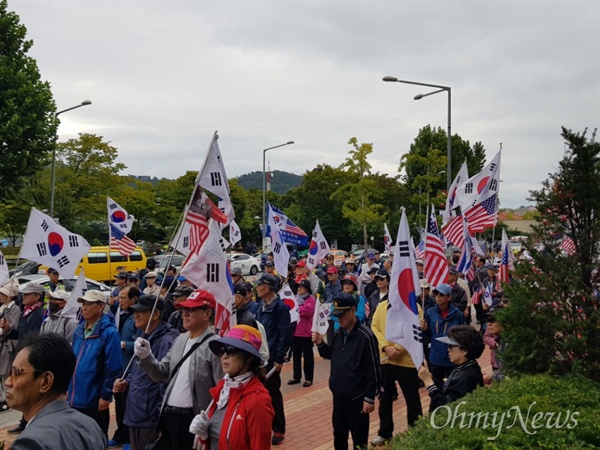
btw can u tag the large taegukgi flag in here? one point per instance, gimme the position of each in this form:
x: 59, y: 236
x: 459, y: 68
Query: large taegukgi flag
x: 318, y: 248
x: 47, y: 243
x: 208, y: 270
x: 403, y: 319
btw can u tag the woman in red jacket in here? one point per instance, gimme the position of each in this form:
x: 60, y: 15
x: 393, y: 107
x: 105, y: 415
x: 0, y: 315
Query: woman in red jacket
x: 240, y: 415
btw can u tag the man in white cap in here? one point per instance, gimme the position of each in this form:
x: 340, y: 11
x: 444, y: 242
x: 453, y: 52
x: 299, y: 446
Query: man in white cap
x: 55, y: 322
x: 152, y: 288
x: 97, y: 346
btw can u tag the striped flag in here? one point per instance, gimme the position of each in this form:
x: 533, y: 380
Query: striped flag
x: 436, y: 264
x: 567, y: 246
x: 453, y: 231
x: 506, y: 259
x: 119, y: 224
x: 483, y: 215
x: 420, y: 250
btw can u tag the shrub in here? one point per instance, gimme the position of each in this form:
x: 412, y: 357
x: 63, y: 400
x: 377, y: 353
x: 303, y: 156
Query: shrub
x: 575, y: 398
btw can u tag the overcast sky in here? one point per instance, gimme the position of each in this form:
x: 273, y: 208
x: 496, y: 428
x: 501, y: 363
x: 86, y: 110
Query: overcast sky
x: 164, y: 75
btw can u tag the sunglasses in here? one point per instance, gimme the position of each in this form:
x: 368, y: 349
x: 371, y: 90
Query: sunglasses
x: 230, y: 350
x: 18, y: 371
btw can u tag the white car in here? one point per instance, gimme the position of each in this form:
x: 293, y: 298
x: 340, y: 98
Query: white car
x: 69, y: 283
x: 248, y: 264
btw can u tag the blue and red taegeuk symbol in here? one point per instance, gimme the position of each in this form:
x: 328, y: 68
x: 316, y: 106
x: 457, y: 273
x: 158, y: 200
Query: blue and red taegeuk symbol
x: 55, y: 243
x: 118, y: 216
x: 313, y: 249
x: 406, y: 290
x: 482, y: 184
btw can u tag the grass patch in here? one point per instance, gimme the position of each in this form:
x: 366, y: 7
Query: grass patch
x: 574, y: 424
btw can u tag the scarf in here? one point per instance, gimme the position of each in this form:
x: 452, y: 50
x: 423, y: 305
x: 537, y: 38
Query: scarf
x: 31, y: 308
x: 232, y: 383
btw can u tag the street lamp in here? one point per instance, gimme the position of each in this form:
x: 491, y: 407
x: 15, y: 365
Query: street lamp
x: 83, y: 103
x: 449, y: 137
x: 264, y: 205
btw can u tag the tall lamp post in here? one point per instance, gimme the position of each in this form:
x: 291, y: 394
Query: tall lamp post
x: 419, y: 97
x: 83, y: 103
x: 264, y: 205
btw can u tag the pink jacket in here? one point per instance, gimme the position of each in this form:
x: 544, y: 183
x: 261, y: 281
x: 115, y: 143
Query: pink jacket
x: 307, y: 311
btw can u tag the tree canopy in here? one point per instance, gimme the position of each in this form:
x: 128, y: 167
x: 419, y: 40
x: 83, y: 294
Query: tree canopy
x: 27, y: 122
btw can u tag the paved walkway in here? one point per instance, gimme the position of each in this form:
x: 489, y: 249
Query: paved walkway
x: 308, y: 411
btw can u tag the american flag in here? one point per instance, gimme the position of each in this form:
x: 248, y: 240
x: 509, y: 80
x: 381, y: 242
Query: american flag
x: 420, y: 250
x: 453, y: 231
x: 436, y: 264
x: 482, y: 215
x: 120, y: 241
x: 567, y: 246
x: 198, y: 230
x: 507, y: 263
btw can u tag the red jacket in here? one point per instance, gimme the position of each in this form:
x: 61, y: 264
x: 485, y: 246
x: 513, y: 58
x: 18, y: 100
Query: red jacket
x: 248, y: 417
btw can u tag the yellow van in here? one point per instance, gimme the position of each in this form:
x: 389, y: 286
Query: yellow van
x: 99, y: 267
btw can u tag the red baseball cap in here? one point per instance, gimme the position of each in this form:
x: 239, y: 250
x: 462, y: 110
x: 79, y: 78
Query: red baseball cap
x: 332, y: 269
x: 301, y: 264
x: 198, y: 299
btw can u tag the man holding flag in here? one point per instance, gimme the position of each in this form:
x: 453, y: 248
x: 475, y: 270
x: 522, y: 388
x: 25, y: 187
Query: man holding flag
x: 355, y: 375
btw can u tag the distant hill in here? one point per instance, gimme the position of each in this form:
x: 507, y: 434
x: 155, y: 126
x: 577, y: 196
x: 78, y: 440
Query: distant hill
x: 281, y: 182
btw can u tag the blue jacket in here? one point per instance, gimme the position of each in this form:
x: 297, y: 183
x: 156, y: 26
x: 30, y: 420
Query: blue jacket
x: 98, y: 364
x: 145, y: 396
x: 438, y: 327
x: 276, y: 320
x: 129, y: 333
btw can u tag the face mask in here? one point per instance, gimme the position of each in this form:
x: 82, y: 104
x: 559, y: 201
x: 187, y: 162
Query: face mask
x: 53, y: 307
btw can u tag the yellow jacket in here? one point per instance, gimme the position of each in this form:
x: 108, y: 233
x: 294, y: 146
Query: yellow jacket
x: 378, y: 328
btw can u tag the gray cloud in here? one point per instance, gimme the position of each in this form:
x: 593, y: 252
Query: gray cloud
x: 164, y: 75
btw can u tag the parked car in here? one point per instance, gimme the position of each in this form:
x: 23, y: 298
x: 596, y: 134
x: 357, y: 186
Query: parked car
x: 162, y: 261
x: 26, y: 268
x: 248, y: 264
x: 359, y: 253
x: 68, y: 283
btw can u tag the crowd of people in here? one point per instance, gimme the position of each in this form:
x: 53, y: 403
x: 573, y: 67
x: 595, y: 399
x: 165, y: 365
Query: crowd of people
x: 152, y: 349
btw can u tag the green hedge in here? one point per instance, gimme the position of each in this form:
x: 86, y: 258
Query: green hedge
x: 532, y: 394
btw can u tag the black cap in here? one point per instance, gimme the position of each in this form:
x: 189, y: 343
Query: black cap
x: 269, y: 280
x: 382, y: 273
x: 181, y: 291
x: 122, y: 275
x: 240, y: 288
x: 270, y: 264
x: 151, y: 263
x: 306, y: 285
x: 146, y: 303
x: 342, y: 303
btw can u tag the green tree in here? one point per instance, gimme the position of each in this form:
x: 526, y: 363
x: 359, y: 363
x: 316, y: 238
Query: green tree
x: 359, y: 198
x: 436, y: 138
x: 27, y: 123
x: 553, y: 322
x: 313, y: 200
x: 86, y: 173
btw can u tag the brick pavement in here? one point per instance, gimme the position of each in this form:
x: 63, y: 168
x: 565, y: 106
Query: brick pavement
x: 308, y: 411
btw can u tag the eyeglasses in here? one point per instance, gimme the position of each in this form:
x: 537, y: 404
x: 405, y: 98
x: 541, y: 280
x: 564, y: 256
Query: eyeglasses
x: 230, y: 350
x: 18, y: 371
